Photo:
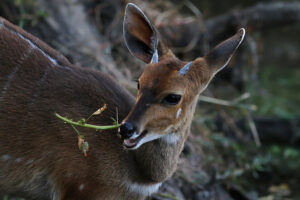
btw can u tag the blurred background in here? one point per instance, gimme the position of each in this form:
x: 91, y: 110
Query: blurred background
x: 246, y: 130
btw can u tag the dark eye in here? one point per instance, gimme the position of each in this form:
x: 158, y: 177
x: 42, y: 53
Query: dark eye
x: 172, y: 99
x: 138, y: 83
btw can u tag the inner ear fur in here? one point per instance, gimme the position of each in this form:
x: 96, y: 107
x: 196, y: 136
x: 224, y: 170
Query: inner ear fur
x: 220, y: 56
x: 139, y: 34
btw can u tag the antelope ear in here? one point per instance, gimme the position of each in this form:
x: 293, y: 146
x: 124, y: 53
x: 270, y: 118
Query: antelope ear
x: 140, y: 36
x: 220, y: 56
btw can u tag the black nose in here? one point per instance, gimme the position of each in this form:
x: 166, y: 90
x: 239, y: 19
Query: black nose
x: 126, y: 130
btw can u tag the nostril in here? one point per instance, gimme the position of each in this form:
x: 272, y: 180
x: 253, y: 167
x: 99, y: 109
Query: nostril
x: 126, y: 130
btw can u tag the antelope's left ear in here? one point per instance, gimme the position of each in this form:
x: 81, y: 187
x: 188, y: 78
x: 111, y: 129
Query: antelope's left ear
x: 220, y: 56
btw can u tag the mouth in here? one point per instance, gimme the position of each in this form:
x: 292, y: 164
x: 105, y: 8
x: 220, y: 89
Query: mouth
x: 131, y: 143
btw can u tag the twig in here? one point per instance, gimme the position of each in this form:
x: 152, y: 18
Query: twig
x: 242, y: 97
x: 253, y: 129
x: 200, y: 27
x: 81, y: 124
x: 199, y: 18
x: 231, y: 123
x: 233, y: 103
x: 77, y: 132
x: 259, y: 17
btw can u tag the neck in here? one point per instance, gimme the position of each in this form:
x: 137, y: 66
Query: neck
x: 157, y: 160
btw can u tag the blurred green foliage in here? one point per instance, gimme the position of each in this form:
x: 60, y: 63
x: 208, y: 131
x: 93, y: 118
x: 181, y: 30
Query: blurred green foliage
x: 6, y: 197
x: 278, y: 93
x: 22, y: 12
x: 249, y: 167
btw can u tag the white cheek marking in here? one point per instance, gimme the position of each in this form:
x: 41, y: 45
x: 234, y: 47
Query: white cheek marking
x: 178, y: 113
x: 5, y: 157
x: 18, y: 160
x: 81, y: 186
x: 149, y: 137
x: 170, y: 138
x: 145, y: 190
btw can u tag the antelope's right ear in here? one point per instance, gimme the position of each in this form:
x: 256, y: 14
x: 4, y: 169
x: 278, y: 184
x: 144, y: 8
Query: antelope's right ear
x: 220, y: 56
x: 140, y: 36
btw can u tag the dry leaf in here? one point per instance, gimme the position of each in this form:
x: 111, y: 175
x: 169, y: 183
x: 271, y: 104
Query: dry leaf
x: 100, y: 110
x: 80, y: 142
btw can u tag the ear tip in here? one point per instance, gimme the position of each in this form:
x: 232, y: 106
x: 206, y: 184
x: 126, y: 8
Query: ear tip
x: 131, y: 6
x: 241, y: 32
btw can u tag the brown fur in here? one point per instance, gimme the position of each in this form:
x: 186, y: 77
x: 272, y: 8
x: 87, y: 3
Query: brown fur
x: 39, y: 156
x: 43, y: 158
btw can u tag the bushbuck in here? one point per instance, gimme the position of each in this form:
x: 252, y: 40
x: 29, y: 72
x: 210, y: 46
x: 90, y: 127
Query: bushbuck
x: 39, y: 156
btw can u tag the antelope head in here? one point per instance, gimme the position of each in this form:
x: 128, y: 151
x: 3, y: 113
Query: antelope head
x: 168, y: 88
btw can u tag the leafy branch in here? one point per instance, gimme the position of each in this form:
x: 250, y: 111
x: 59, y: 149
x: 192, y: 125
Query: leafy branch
x: 247, y: 108
x: 82, y: 143
x: 82, y: 123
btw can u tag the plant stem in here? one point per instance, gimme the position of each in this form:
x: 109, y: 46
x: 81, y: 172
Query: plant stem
x: 234, y: 103
x: 68, y: 121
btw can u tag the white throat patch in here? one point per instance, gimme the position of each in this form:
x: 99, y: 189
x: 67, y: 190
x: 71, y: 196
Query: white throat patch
x: 143, y: 189
x: 170, y: 138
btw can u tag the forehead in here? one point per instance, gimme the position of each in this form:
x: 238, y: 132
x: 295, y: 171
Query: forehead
x: 162, y: 75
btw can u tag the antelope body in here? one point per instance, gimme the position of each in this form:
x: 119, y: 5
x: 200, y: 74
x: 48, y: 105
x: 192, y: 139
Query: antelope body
x: 39, y: 156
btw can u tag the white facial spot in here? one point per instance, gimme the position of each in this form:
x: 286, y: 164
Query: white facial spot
x: 170, y: 138
x: 5, y: 157
x: 81, y: 186
x: 178, y: 113
x: 143, y: 189
x: 18, y: 160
